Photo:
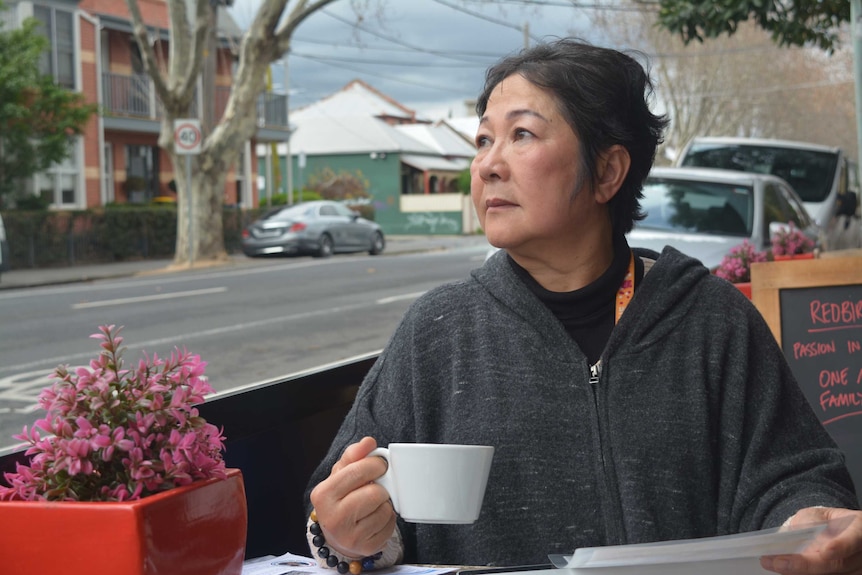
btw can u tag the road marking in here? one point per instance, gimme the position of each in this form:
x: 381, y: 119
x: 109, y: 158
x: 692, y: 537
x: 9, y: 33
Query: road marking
x: 96, y: 284
x: 218, y: 331
x: 23, y: 389
x: 385, y: 300
x: 164, y: 296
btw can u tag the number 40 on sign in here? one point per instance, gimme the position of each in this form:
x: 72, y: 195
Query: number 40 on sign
x: 187, y: 136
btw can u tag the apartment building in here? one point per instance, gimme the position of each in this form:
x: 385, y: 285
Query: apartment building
x: 117, y: 159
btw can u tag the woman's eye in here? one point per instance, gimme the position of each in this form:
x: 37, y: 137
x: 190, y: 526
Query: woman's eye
x: 521, y: 133
x: 482, y: 141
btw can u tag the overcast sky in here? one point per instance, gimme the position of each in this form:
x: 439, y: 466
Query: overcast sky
x: 430, y: 55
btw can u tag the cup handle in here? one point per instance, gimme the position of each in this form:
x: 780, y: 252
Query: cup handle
x: 386, y: 480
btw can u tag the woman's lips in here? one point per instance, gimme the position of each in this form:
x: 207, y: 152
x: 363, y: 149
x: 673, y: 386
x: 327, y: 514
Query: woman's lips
x: 497, y: 203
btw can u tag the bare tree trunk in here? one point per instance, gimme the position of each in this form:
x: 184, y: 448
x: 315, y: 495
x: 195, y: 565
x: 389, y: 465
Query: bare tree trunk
x: 174, y: 81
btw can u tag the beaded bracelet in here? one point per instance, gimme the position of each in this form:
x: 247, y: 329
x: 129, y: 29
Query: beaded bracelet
x: 355, y: 567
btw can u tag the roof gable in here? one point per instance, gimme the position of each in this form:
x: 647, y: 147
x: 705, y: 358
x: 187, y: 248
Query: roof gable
x: 466, y: 126
x: 352, y: 135
x: 440, y: 137
x: 355, y: 99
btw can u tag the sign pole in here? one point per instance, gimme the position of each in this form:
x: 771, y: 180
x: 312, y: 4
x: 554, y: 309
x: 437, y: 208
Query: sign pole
x: 190, y: 200
x: 187, y: 142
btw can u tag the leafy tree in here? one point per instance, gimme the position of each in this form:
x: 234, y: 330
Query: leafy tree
x: 791, y: 22
x: 727, y: 86
x: 344, y: 185
x: 463, y: 181
x: 37, y: 117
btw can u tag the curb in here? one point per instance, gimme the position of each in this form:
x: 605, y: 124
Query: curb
x: 423, y: 245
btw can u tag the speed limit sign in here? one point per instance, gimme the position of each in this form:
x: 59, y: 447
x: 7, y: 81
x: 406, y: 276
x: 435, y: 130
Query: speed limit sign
x: 187, y: 136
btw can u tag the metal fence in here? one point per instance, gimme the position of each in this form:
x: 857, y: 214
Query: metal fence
x: 54, y: 239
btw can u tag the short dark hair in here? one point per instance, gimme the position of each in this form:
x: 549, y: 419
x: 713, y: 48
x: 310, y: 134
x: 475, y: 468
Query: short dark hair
x: 603, y: 94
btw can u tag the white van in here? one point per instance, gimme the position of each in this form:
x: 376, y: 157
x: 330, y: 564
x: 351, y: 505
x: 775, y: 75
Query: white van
x: 823, y: 177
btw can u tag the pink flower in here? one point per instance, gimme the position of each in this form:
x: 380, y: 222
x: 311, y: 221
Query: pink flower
x: 790, y: 241
x: 98, y: 412
x: 735, y: 267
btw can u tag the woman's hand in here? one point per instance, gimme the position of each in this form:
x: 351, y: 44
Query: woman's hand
x: 353, y: 511
x: 838, y: 549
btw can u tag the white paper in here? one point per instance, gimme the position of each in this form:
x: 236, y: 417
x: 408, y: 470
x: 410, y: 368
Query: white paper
x: 737, y: 554
x: 290, y: 564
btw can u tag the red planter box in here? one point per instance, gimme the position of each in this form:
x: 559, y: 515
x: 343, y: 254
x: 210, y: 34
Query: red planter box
x: 808, y: 256
x: 198, y: 529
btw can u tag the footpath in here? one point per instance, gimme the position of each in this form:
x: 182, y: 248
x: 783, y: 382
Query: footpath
x: 35, y: 277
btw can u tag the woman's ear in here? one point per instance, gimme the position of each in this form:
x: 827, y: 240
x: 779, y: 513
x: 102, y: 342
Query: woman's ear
x: 613, y: 167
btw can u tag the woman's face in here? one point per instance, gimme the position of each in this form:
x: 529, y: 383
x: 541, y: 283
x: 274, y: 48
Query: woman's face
x: 526, y: 181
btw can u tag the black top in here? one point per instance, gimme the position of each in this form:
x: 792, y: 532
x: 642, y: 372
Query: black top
x: 588, y: 313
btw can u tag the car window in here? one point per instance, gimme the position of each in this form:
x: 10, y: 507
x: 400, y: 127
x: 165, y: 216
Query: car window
x: 799, y: 216
x: 842, y: 178
x: 852, y: 177
x: 694, y: 206
x: 328, y: 210
x: 776, y: 209
x: 809, y: 172
x: 291, y: 213
x: 344, y: 211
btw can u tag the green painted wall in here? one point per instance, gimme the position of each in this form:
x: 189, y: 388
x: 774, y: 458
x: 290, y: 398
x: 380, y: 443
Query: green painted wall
x: 426, y: 223
x: 384, y: 177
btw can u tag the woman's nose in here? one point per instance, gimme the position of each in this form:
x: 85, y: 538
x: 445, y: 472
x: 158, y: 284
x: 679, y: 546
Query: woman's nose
x: 489, y: 164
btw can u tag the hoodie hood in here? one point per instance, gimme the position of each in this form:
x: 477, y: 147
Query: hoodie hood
x: 663, y: 299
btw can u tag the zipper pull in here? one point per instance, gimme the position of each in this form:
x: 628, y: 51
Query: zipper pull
x: 595, y: 372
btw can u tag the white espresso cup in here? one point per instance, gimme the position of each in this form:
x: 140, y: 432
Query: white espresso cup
x: 436, y: 482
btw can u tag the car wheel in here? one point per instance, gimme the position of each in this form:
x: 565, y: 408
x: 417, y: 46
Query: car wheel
x: 377, y: 244
x: 325, y: 248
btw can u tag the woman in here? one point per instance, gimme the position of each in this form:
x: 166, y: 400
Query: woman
x: 631, y: 396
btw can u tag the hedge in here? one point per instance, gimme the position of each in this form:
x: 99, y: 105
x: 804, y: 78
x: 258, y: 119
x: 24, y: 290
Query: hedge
x: 53, y: 238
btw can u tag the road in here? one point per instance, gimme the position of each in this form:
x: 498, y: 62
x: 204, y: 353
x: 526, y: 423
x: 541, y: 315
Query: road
x: 250, y: 325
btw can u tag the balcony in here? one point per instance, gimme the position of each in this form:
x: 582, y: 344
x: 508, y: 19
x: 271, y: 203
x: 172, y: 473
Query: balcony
x: 133, y: 97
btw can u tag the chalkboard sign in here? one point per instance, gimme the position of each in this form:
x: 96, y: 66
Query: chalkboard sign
x: 814, y: 308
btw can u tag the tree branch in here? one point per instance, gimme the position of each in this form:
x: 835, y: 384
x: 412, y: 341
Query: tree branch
x: 181, y: 77
x: 139, y: 30
x: 300, y: 12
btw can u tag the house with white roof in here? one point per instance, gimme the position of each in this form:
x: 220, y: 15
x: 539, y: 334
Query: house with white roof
x: 466, y: 126
x: 357, y: 99
x: 412, y: 165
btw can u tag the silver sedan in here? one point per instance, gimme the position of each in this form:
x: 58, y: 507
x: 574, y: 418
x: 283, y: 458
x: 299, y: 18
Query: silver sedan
x: 319, y: 228
x: 706, y: 212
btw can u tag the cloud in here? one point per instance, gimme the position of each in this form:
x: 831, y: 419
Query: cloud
x: 429, y: 55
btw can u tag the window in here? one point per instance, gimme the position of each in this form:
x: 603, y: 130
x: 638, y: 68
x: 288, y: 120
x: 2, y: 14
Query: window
x: 59, y: 60
x: 342, y: 210
x: 852, y: 177
x: 142, y: 173
x: 239, y: 176
x: 799, y: 216
x: 59, y: 183
x: 809, y: 172
x: 693, y: 206
x: 777, y: 208
x: 108, y: 174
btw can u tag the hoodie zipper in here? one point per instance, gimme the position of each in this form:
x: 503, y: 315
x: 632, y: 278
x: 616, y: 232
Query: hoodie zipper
x: 595, y: 373
x: 613, y: 519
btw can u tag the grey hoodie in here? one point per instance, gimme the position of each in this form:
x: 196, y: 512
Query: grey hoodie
x: 695, y: 426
